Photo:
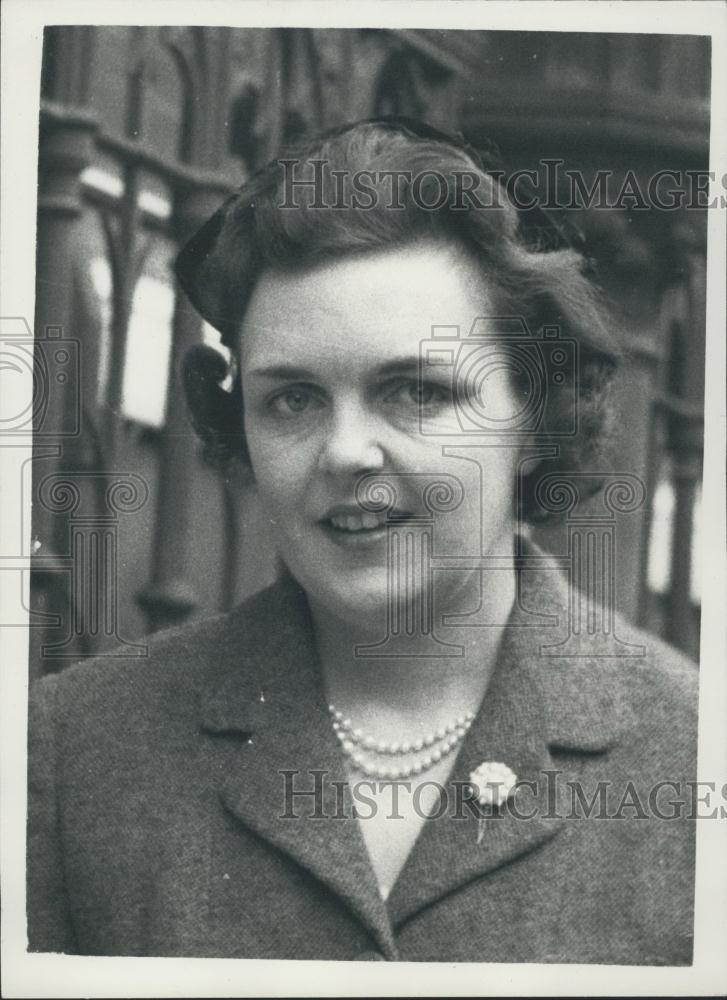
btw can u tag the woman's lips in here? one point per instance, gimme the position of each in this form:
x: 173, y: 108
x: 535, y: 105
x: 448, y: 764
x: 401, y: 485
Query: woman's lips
x: 365, y: 538
x: 358, y: 529
x: 360, y: 521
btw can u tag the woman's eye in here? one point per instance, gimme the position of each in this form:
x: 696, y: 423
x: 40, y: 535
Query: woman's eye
x: 423, y: 395
x: 293, y: 402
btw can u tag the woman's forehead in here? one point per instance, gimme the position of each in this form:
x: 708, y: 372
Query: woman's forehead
x: 365, y: 309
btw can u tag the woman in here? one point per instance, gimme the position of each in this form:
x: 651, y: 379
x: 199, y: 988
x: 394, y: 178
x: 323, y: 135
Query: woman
x: 383, y: 755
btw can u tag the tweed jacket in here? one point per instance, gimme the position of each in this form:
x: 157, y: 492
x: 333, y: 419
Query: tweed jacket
x: 157, y: 807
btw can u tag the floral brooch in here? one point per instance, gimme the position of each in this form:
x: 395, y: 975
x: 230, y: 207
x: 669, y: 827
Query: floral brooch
x: 492, y: 783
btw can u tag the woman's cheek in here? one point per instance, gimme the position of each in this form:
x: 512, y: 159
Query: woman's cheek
x: 280, y: 475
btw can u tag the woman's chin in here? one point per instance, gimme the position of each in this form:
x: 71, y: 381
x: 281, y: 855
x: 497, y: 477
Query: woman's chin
x: 360, y: 598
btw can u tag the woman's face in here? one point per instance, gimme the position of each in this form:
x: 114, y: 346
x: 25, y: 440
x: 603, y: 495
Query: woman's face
x: 329, y: 363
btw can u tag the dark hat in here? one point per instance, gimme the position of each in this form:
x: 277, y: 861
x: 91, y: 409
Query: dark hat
x: 220, y: 264
x: 211, y: 267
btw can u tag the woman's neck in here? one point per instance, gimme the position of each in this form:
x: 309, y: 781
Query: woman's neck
x: 419, y: 690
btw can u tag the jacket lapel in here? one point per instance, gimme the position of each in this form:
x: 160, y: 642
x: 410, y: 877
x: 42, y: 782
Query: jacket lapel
x: 278, y: 703
x: 459, y: 846
x: 533, y: 703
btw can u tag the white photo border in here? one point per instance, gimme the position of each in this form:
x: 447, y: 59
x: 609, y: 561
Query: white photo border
x: 26, y: 975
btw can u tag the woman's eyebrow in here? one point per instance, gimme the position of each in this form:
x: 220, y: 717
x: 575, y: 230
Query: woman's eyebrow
x: 396, y: 366
x: 409, y: 363
x: 281, y: 372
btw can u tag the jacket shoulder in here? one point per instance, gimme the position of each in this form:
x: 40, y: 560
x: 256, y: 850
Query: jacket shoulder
x: 180, y: 663
x: 664, y: 673
x: 661, y: 690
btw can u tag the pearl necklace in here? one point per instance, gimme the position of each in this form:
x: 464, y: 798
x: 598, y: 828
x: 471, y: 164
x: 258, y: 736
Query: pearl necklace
x: 438, y: 745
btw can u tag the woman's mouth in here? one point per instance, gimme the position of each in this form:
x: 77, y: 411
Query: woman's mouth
x: 355, y: 529
x: 357, y: 522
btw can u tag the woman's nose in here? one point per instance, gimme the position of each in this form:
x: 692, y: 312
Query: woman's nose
x: 352, y: 444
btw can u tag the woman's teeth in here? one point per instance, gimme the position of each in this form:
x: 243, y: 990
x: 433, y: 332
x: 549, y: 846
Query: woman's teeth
x: 357, y: 522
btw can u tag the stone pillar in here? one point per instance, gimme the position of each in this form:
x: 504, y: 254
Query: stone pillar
x: 66, y: 147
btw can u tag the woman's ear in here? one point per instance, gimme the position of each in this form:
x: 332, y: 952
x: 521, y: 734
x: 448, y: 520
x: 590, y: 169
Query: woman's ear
x: 215, y: 413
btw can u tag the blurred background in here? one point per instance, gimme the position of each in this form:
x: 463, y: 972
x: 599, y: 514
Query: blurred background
x: 143, y: 132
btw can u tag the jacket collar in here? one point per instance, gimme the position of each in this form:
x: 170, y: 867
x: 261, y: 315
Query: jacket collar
x: 278, y: 703
x: 536, y: 703
x: 582, y: 696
